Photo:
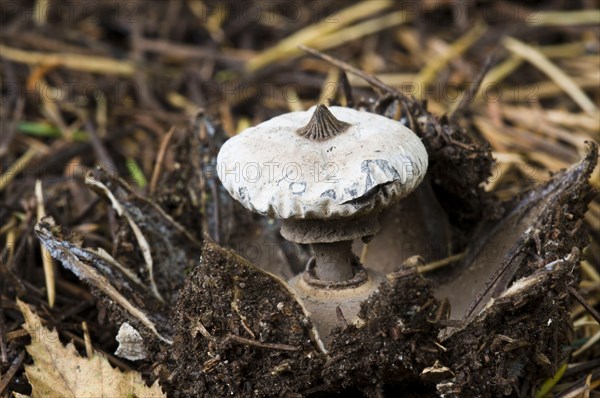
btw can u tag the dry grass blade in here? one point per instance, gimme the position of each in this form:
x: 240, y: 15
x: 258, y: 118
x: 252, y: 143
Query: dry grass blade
x: 469, y: 96
x: 439, y: 263
x: 359, y: 30
x: 287, y: 48
x: 427, y: 74
x: 40, y: 16
x: 17, y: 167
x: 141, y: 239
x: 89, y: 349
x: 499, y: 72
x: 84, y: 63
x: 186, y: 52
x: 588, y: 344
x: 538, y: 59
x: 46, y: 257
x: 294, y: 105
x: 565, y: 18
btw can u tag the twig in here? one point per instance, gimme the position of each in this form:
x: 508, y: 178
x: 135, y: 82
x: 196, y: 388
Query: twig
x: 46, y: 257
x: 585, y: 304
x: 207, y: 181
x: 16, y: 334
x: 390, y: 79
x: 271, y: 346
x: 83, y: 305
x: 17, y: 362
x: 469, y: 96
x: 504, y: 267
x: 236, y: 308
x: 160, y: 157
x: 99, y: 149
x: 214, y: 189
x: 371, y: 79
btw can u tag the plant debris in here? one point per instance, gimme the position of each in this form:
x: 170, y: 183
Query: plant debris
x: 112, y: 117
x: 517, y: 325
x: 60, y: 372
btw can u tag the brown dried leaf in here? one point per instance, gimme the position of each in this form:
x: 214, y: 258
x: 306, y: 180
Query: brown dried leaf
x: 59, y: 371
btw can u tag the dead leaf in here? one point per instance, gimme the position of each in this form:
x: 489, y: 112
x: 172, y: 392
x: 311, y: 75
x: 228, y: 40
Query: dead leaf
x: 59, y: 371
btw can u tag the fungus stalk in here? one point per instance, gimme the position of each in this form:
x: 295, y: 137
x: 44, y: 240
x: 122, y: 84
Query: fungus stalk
x: 335, y: 261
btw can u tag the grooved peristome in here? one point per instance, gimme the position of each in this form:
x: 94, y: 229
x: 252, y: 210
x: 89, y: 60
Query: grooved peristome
x: 323, y: 125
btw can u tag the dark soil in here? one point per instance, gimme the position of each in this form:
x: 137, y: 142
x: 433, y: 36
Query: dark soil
x: 225, y: 298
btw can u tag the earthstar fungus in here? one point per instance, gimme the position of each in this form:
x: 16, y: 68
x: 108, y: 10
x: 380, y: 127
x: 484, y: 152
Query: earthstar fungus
x: 326, y: 173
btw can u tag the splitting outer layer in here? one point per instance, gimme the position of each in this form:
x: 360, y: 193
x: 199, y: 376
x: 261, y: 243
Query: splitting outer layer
x: 273, y: 170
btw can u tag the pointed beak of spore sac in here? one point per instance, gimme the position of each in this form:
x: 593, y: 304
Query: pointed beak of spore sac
x: 322, y: 125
